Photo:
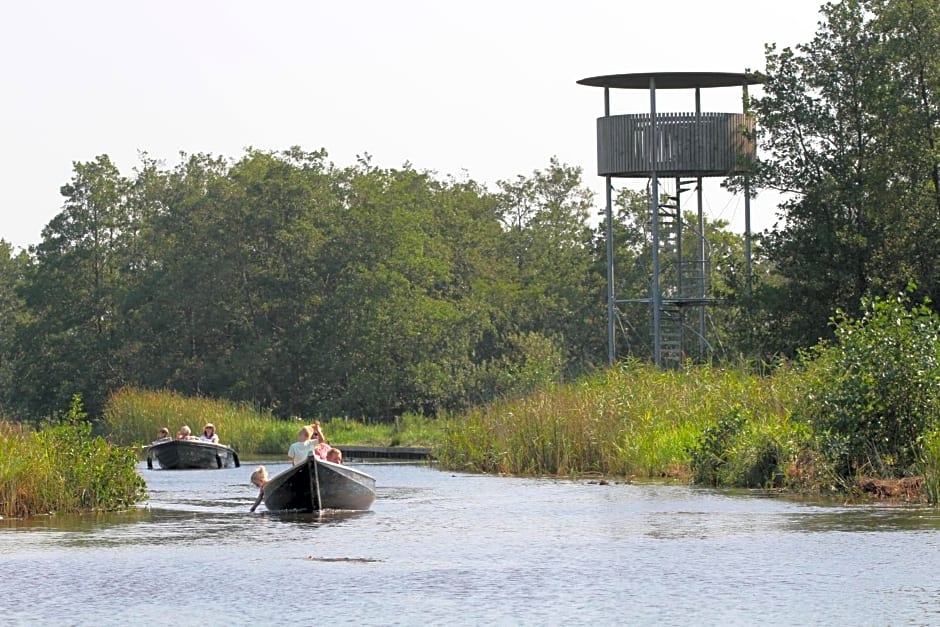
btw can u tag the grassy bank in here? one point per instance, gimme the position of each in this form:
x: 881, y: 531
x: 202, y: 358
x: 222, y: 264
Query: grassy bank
x: 861, y: 410
x: 851, y: 415
x: 634, y: 420
x: 133, y: 416
x: 702, y: 425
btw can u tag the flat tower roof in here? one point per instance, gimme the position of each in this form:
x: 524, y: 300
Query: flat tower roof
x: 673, y: 80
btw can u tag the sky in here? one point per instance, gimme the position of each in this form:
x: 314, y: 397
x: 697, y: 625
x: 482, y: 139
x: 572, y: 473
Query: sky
x: 485, y: 90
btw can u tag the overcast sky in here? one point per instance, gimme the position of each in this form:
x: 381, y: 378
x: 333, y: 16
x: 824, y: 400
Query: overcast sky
x: 484, y: 90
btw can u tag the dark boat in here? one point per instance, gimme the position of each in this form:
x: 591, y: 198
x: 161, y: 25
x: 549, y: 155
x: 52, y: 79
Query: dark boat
x: 179, y: 454
x: 317, y: 484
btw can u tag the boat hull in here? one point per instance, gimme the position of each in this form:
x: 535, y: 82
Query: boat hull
x: 184, y: 454
x: 316, y: 485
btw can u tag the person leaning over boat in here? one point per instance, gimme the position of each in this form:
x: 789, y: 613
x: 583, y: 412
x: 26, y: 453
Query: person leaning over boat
x: 209, y: 434
x: 258, y: 479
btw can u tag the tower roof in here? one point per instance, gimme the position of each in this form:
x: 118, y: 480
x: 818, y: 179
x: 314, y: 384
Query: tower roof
x: 673, y: 80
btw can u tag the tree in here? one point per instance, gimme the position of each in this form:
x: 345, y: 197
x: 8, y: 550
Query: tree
x: 850, y: 123
x: 559, y: 293
x: 404, y: 313
x: 13, y: 271
x: 73, y: 295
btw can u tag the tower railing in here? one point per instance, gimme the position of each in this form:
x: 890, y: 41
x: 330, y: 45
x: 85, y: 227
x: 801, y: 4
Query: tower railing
x: 686, y: 144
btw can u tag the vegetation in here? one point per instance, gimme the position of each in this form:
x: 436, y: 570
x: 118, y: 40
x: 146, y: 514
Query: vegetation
x: 873, y: 395
x: 634, y: 420
x: 277, y: 285
x: 132, y: 417
x: 865, y: 405
x: 62, y: 468
x: 849, y: 125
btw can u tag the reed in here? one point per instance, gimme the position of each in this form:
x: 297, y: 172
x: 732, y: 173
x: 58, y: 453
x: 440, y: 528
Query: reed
x: 930, y: 466
x: 63, y: 468
x: 634, y: 420
x: 133, y: 415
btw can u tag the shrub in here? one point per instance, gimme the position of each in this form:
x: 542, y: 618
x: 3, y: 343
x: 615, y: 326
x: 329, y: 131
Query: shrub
x: 63, y: 468
x: 710, y: 453
x: 873, y: 392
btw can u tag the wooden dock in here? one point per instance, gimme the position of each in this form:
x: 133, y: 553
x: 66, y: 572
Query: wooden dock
x: 385, y: 452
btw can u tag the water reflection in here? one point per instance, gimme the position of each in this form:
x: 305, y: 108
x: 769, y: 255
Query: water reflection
x: 874, y: 519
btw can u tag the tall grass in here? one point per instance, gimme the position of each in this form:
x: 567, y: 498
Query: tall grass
x: 133, y: 415
x: 930, y: 466
x: 709, y: 425
x: 634, y: 420
x: 63, y: 468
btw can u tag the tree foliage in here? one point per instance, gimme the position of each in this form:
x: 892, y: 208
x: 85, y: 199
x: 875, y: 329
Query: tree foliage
x: 875, y: 390
x: 282, y: 280
x: 849, y: 123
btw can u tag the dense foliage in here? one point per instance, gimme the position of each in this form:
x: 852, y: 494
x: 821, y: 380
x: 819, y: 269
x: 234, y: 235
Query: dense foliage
x: 873, y: 394
x: 282, y: 281
x: 63, y: 468
x: 849, y: 124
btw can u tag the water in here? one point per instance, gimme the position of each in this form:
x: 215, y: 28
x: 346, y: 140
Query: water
x: 444, y: 548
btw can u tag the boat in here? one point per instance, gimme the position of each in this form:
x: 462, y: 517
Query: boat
x: 316, y: 484
x: 192, y: 453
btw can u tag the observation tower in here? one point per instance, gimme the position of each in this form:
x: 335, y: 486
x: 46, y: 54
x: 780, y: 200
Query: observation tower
x: 688, y: 147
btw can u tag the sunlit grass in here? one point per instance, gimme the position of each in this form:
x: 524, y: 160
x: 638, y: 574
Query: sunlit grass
x: 63, y: 468
x: 634, y: 420
x: 631, y: 421
x: 133, y: 417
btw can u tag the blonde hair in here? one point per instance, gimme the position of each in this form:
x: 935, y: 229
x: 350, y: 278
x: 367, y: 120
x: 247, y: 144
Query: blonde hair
x: 164, y: 431
x: 306, y: 430
x: 260, y: 474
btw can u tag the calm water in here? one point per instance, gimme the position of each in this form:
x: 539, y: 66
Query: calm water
x: 442, y: 548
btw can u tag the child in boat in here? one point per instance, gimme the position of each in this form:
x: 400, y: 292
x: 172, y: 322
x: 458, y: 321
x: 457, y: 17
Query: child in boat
x: 322, y: 449
x: 185, y: 433
x: 259, y: 478
x: 334, y: 455
x: 303, y: 447
x: 209, y: 434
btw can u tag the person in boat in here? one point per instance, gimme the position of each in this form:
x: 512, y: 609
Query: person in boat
x: 209, y: 434
x: 334, y: 455
x: 258, y: 479
x: 163, y: 434
x: 322, y: 449
x: 304, y: 446
x: 185, y: 433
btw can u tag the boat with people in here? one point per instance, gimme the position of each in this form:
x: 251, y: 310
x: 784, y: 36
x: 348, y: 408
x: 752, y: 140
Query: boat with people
x: 191, y: 453
x: 317, y: 484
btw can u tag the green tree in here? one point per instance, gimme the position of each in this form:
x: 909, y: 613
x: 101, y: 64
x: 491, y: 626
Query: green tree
x: 13, y: 270
x: 873, y: 392
x: 849, y: 123
x: 402, y: 316
x: 73, y: 297
x: 547, y: 240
